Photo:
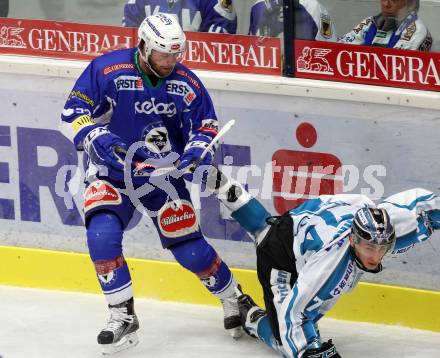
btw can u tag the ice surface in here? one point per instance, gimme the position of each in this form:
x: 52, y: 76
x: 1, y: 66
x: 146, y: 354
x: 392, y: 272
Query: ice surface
x: 41, y: 323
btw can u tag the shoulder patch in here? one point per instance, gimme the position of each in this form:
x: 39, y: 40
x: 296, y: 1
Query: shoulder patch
x: 326, y: 26
x: 409, y: 32
x: 190, y: 78
x: 119, y: 66
x: 427, y: 43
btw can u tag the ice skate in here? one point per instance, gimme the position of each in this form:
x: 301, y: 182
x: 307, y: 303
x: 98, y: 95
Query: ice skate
x: 231, y: 314
x: 120, y: 332
x: 250, y: 314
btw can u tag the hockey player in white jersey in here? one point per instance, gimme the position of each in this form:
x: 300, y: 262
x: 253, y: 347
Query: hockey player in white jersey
x: 397, y: 26
x: 311, y: 255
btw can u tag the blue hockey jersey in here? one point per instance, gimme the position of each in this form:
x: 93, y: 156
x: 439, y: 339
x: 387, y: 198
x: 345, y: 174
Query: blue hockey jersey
x: 113, y: 91
x: 194, y: 15
x: 312, y: 21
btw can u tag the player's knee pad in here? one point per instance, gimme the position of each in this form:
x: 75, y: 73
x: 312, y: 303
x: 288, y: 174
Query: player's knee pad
x: 200, y: 258
x: 104, y: 236
x: 195, y: 255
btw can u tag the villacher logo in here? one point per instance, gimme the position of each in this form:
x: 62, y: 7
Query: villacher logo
x: 177, y: 220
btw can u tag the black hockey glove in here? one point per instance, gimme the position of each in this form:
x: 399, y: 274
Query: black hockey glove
x: 327, y: 350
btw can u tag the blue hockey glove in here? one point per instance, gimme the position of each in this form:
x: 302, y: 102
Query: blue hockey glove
x: 106, y: 149
x: 190, y: 158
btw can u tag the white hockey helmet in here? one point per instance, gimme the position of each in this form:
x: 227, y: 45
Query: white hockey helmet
x: 162, y: 33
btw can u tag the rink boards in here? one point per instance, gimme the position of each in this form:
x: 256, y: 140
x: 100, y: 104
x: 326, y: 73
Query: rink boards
x: 376, y: 141
x: 169, y: 282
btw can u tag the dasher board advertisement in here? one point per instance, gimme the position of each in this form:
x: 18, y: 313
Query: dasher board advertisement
x: 205, y: 51
x: 367, y: 65
x: 285, y: 149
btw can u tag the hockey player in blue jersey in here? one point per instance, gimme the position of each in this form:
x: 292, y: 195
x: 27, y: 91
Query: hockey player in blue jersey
x: 311, y: 255
x: 143, y: 98
x: 194, y: 15
x: 312, y: 21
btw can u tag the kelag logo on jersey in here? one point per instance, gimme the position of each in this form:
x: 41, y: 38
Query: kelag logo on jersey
x: 128, y: 83
x: 181, y: 88
x: 148, y: 107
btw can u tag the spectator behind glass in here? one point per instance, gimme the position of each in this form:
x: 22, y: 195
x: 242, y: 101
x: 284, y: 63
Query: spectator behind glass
x: 397, y: 26
x: 312, y: 21
x: 194, y: 15
x: 4, y: 8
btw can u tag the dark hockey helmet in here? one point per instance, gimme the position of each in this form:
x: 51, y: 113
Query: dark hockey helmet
x: 372, y: 231
x: 374, y: 226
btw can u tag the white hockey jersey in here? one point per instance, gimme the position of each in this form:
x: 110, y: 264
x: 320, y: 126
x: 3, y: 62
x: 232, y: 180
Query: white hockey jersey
x: 325, y: 264
x: 411, y: 34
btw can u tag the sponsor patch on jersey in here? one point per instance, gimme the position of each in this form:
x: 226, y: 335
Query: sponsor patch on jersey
x: 181, y: 88
x: 128, y: 83
x: 209, y: 126
x: 362, y: 25
x: 81, y: 96
x: 191, y: 79
x: 176, y: 221
x: 157, y: 140
x: 280, y: 282
x: 81, y: 122
x: 426, y: 44
x: 117, y: 67
x: 345, y: 279
x: 409, y: 32
x: 148, y: 107
x: 326, y: 26
x: 100, y: 193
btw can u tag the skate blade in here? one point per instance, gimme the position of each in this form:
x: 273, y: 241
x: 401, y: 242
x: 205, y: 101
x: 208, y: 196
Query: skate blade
x: 129, y: 341
x: 236, y: 332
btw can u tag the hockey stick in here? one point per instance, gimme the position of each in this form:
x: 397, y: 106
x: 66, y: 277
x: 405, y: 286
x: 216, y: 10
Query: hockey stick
x: 221, y: 133
x: 191, y: 168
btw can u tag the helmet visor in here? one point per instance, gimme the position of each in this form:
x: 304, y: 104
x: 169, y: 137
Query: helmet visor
x: 367, y: 247
x: 178, y: 56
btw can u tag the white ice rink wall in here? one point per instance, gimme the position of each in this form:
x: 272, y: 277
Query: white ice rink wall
x: 382, y: 140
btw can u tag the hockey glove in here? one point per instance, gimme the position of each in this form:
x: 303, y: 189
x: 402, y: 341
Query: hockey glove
x: 106, y: 149
x: 326, y: 350
x: 191, y: 158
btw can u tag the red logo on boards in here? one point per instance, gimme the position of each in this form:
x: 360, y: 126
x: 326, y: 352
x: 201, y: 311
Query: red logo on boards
x: 314, y: 60
x: 301, y: 175
x: 177, y: 220
x: 10, y: 37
